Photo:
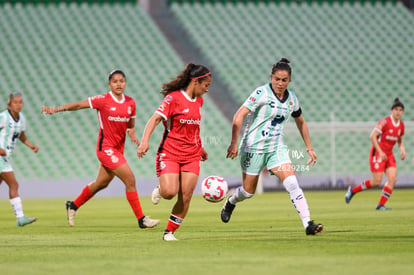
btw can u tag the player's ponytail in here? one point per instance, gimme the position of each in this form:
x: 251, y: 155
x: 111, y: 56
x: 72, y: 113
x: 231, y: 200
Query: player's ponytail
x: 282, y: 65
x: 181, y: 81
x: 397, y: 103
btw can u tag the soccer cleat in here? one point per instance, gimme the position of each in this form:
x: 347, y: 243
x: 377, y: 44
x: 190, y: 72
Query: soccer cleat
x: 24, y: 221
x: 349, y: 194
x: 70, y: 213
x: 382, y: 207
x: 226, y: 211
x: 313, y: 228
x: 169, y: 236
x: 146, y: 222
x: 156, y: 196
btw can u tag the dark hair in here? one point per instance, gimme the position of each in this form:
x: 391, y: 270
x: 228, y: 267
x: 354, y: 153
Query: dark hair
x: 191, y: 71
x: 114, y: 72
x: 12, y: 95
x: 397, y: 103
x: 282, y: 65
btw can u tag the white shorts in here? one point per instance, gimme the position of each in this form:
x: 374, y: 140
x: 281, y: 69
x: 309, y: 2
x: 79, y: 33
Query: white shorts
x: 5, y: 165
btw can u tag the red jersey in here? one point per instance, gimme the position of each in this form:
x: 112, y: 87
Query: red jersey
x: 182, y: 116
x: 390, y: 133
x: 113, y: 115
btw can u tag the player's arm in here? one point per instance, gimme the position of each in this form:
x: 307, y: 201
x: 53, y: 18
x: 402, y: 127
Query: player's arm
x: 238, y: 117
x: 74, y: 106
x: 304, y: 132
x: 374, y: 136
x: 131, y: 131
x: 23, y: 138
x: 402, y: 149
x: 149, y: 129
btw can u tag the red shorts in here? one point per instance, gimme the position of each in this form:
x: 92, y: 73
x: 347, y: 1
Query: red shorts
x: 377, y: 166
x: 110, y: 158
x: 164, y: 165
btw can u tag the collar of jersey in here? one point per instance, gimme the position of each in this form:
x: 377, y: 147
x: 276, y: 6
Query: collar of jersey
x: 116, y: 100
x: 394, y: 122
x: 186, y: 96
x: 285, y: 96
x: 10, y: 114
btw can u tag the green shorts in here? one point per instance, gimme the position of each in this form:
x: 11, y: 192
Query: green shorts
x: 5, y: 165
x: 253, y: 163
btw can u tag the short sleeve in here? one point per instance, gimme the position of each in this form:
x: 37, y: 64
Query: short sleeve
x: 254, y: 100
x: 381, y: 126
x: 2, y: 121
x: 166, y: 107
x: 96, y: 102
x: 134, y: 109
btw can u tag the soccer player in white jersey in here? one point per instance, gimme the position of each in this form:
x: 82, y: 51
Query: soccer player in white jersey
x: 12, y: 127
x: 116, y: 113
x: 269, y: 108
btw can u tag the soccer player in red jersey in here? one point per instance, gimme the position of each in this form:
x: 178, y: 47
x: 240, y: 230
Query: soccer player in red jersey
x: 180, y: 151
x: 116, y: 114
x: 388, y: 131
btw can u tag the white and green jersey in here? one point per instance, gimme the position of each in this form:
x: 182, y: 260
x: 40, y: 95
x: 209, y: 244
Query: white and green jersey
x: 264, y: 127
x: 10, y: 130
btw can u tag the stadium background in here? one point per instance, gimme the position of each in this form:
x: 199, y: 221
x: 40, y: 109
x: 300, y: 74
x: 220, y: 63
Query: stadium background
x: 350, y: 59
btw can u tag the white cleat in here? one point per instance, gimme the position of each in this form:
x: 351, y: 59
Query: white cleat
x: 156, y: 196
x: 169, y: 237
x: 146, y: 222
x: 70, y: 214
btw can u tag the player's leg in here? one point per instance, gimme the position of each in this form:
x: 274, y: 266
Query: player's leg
x: 187, y: 183
x: 377, y: 167
x: 102, y: 180
x: 125, y: 174
x: 245, y: 191
x: 15, y: 200
x: 391, y: 174
x: 364, y: 185
x: 251, y: 165
x: 286, y: 175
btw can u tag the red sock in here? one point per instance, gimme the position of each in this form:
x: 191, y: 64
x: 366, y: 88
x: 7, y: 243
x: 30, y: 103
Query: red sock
x: 385, y: 195
x: 83, y: 197
x: 133, y: 200
x: 366, y: 184
x: 174, y: 222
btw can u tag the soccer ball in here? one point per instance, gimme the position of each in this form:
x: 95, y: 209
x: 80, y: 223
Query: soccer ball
x: 214, y: 188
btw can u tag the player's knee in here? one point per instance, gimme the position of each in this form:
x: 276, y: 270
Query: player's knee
x: 291, y: 184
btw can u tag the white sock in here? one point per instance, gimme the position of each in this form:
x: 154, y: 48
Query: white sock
x: 239, y: 195
x: 297, y: 198
x: 16, y: 203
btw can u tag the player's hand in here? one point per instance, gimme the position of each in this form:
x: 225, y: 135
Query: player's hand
x: 313, y: 157
x: 47, y: 110
x: 382, y: 156
x: 232, y: 151
x: 142, y: 150
x: 3, y: 152
x: 402, y: 155
x: 34, y: 148
x: 204, y: 155
x: 135, y: 140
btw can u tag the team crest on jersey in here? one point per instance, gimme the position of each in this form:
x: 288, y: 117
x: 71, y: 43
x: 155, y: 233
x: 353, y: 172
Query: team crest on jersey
x: 168, y: 98
x: 252, y: 99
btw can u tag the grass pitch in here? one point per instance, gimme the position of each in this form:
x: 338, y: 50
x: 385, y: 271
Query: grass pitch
x: 264, y: 236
